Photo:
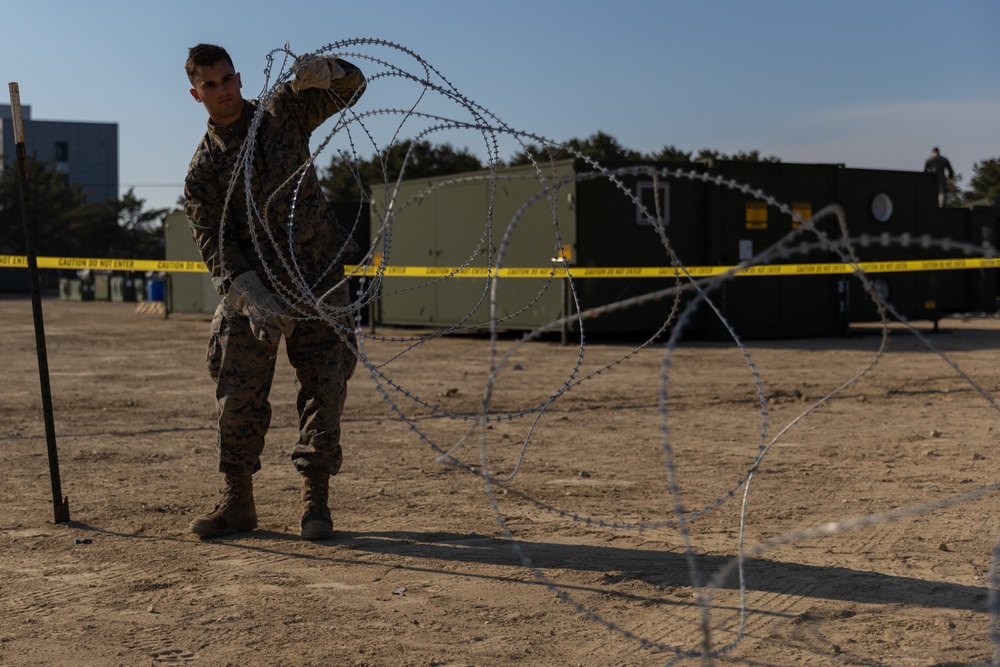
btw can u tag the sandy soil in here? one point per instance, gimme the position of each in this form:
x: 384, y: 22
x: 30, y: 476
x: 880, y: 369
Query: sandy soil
x: 578, y: 560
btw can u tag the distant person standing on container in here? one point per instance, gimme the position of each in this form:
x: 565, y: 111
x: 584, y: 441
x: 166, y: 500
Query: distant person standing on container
x: 939, y: 164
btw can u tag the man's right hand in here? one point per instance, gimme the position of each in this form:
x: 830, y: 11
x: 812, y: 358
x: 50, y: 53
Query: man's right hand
x: 265, y: 310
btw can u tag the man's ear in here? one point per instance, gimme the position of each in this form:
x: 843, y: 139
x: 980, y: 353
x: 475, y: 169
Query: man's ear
x: 195, y: 95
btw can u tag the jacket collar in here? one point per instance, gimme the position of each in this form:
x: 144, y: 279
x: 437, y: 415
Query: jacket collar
x: 229, y: 136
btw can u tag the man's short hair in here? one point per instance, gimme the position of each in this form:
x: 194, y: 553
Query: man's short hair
x: 205, y: 55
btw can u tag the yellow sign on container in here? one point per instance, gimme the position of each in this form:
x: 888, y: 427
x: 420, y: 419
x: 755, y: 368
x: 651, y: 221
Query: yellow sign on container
x: 756, y: 215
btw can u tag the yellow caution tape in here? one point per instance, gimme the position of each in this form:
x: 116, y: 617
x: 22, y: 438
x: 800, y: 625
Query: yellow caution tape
x: 16, y: 262
x: 156, y: 265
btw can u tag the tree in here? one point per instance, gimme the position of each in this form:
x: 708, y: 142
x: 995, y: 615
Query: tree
x: 600, y: 147
x: 343, y: 180
x: 65, y: 224
x: 985, y: 182
x: 605, y: 149
x: 671, y: 154
x: 89, y: 230
x: 739, y: 156
x: 346, y: 176
x: 142, y: 229
x: 51, y: 201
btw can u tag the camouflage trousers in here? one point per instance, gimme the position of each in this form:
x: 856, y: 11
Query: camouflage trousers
x: 243, y: 370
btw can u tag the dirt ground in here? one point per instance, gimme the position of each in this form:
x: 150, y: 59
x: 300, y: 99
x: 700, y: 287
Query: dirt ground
x: 578, y: 560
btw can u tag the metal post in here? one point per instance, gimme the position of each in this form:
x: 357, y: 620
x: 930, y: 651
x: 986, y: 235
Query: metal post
x: 559, y: 262
x: 168, y: 295
x: 564, y: 333
x: 60, y: 504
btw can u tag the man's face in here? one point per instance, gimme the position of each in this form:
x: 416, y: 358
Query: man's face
x: 218, y: 87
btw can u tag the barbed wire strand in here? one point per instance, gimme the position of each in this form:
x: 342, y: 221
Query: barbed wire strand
x: 807, y: 236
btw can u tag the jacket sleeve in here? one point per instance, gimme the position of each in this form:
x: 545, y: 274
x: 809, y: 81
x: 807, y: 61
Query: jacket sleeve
x: 313, y: 106
x: 351, y: 86
x: 204, y: 202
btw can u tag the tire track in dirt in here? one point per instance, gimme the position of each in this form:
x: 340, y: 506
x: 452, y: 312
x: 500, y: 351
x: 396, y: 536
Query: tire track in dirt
x: 54, y: 592
x: 72, y: 597
x: 767, y: 613
x: 671, y: 619
x: 149, y: 642
x: 144, y: 595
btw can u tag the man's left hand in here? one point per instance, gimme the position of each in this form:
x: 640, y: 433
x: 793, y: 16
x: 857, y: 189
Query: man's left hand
x: 315, y: 72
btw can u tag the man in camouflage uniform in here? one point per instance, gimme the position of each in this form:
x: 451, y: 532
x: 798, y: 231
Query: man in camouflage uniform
x: 278, y: 268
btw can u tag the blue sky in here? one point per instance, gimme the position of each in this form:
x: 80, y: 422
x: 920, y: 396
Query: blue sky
x: 872, y: 83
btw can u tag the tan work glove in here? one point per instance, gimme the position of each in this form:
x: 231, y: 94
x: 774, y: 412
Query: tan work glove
x: 266, y: 311
x: 315, y: 72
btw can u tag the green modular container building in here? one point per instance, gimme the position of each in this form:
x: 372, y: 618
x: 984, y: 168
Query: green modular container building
x: 193, y: 292
x: 534, y: 221
x: 448, y: 223
x: 188, y: 292
x: 592, y: 220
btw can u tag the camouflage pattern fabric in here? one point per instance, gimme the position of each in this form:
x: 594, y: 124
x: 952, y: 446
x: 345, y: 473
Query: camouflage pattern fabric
x: 224, y: 235
x: 243, y: 369
x: 241, y: 365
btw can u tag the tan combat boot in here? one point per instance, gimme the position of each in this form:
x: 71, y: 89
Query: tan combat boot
x: 316, y: 521
x: 234, y: 513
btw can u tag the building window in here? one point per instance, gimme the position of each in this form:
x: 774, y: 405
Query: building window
x: 656, y: 201
x: 62, y: 157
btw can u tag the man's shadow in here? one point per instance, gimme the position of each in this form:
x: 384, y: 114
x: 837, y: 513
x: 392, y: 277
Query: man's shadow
x: 663, y: 569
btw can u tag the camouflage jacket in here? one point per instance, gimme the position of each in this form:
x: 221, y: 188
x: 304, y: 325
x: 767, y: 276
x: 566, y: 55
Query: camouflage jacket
x: 309, y: 245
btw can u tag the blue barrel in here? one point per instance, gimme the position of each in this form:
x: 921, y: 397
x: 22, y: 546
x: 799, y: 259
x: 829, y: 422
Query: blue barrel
x: 154, y: 290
